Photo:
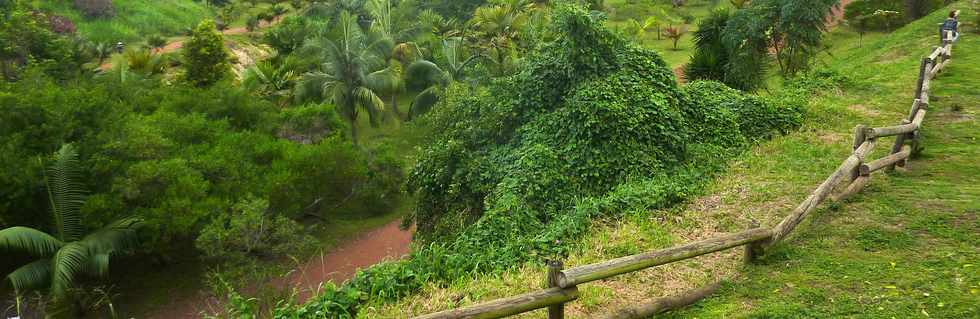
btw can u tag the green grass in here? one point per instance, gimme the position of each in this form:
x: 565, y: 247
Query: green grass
x: 908, y: 246
x: 904, y: 247
x: 134, y: 19
x: 621, y: 11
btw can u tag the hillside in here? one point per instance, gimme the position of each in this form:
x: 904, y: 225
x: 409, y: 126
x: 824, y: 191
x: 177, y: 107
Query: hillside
x: 907, y: 251
x: 908, y: 247
x: 134, y: 20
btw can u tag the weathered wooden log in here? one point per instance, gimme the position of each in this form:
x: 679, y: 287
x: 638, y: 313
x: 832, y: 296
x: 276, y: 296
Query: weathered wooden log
x: 656, y: 306
x: 868, y: 168
x: 876, y: 132
x: 855, y: 187
x: 859, y: 138
x: 917, y: 104
x: 939, y: 67
x: 923, y: 68
x: 556, y: 311
x: 622, y: 265
x: 935, y: 53
x: 820, y: 193
x: 920, y: 116
x: 754, y: 249
x: 926, y: 90
x: 510, y: 306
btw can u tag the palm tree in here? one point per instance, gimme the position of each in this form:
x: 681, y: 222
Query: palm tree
x: 342, y: 77
x: 69, y: 253
x: 498, y: 29
x: 268, y: 80
x: 429, y: 79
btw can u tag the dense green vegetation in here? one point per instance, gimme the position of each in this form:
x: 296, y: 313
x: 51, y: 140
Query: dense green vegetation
x: 507, y: 132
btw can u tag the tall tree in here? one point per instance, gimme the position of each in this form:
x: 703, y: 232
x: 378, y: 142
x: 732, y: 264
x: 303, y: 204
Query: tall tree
x: 206, y: 56
x: 342, y: 77
x: 68, y: 253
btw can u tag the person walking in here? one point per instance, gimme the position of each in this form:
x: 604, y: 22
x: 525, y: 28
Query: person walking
x: 950, y: 25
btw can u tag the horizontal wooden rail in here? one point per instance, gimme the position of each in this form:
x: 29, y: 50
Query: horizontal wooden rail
x: 660, y: 305
x: 907, y: 127
x: 868, y: 168
x: 935, y: 53
x: 821, y: 192
x: 622, y: 265
x: 510, y: 306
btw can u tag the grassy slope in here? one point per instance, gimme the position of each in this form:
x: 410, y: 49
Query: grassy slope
x: 134, y: 19
x: 909, y: 246
x: 620, y: 11
x: 839, y: 262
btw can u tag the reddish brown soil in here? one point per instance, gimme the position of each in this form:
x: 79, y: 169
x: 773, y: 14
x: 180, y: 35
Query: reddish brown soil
x: 340, y: 264
x: 837, y: 14
x: 388, y: 242
x: 679, y: 74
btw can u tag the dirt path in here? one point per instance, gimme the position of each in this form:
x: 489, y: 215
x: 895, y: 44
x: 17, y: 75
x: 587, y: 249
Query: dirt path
x: 387, y: 242
x: 177, y: 45
x: 340, y: 264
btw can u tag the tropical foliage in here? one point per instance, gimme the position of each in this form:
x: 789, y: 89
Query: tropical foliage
x: 206, y: 56
x: 70, y: 252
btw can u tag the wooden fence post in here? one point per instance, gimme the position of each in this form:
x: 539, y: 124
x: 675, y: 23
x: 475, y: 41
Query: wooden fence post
x: 859, y: 138
x: 923, y: 68
x: 754, y: 249
x: 554, y: 269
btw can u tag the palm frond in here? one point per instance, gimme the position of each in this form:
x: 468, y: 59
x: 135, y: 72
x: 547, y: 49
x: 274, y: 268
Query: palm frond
x: 311, y: 86
x: 29, y: 240
x: 98, y: 265
x: 385, y: 81
x: 65, y: 193
x: 371, y: 103
x: 424, y: 102
x: 121, y: 235
x: 67, y: 263
x: 423, y: 74
x: 33, y: 276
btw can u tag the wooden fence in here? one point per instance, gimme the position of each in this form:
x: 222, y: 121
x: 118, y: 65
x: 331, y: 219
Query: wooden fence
x: 562, y: 284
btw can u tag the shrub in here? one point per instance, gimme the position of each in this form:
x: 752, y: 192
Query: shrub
x: 308, y: 124
x: 250, y: 231
x: 711, y: 54
x: 205, y: 56
x: 180, y: 155
x: 96, y: 8
x: 252, y: 23
x: 287, y: 36
x: 156, y: 41
x: 61, y: 24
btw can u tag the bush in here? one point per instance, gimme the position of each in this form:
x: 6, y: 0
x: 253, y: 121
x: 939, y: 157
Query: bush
x: 308, y: 124
x: 96, y: 8
x: 180, y: 156
x: 287, y: 36
x: 29, y: 38
x: 250, y: 231
x: 205, y: 55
